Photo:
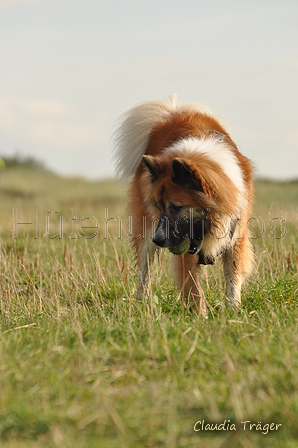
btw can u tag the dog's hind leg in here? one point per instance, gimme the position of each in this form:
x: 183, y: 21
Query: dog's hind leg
x: 145, y: 257
x: 187, y: 275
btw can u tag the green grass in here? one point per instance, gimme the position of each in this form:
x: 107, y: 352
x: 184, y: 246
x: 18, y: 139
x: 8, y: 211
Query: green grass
x: 83, y: 363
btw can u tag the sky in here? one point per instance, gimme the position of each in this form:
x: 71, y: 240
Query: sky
x: 70, y: 68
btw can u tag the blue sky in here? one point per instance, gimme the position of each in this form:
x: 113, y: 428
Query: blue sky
x: 69, y: 68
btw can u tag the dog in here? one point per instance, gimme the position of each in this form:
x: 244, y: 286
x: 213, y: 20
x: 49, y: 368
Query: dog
x: 190, y: 183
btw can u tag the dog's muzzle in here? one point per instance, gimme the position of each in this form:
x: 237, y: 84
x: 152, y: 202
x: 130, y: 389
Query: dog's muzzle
x: 167, y: 236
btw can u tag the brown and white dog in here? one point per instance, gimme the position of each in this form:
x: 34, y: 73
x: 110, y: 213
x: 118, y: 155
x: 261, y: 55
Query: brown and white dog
x: 188, y: 177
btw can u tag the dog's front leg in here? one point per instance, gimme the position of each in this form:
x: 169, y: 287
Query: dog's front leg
x: 145, y: 258
x: 187, y: 274
x: 233, y: 288
x: 237, y: 262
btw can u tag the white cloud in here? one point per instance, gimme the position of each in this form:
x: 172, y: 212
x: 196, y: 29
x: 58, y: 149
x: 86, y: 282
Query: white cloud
x: 49, y: 123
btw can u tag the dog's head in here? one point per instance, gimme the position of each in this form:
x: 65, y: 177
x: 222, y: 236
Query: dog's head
x: 189, y: 198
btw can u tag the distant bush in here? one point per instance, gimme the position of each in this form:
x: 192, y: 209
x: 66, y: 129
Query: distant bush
x: 18, y: 160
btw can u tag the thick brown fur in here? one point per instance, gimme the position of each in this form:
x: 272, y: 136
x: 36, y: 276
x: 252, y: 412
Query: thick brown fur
x: 209, y: 192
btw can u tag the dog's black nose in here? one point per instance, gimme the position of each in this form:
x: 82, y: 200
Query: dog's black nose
x: 159, y: 240
x: 160, y: 235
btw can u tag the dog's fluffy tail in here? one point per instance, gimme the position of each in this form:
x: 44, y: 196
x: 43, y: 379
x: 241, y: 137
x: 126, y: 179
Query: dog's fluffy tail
x: 131, y: 138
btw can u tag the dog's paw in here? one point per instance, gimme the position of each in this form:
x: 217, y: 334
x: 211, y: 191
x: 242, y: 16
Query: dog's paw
x: 232, y: 305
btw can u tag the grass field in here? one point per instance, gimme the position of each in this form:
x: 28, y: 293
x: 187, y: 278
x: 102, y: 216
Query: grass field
x: 83, y: 363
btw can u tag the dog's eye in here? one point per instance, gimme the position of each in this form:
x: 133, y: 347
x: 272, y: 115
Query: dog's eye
x: 175, y: 208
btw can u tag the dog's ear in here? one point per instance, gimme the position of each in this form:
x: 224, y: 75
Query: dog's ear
x: 184, y: 175
x: 152, y: 164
